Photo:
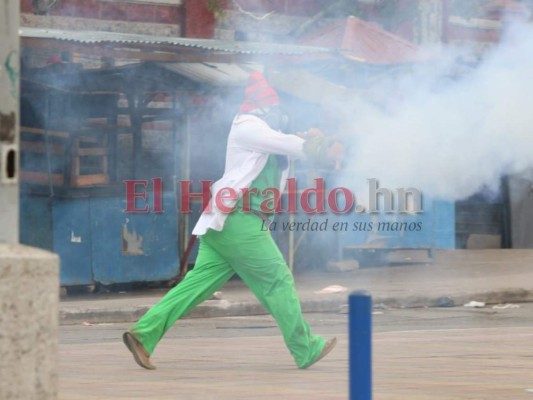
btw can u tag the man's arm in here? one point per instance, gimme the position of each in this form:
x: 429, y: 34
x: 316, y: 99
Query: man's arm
x: 253, y: 134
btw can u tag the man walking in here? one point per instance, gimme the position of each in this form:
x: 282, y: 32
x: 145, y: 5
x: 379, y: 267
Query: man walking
x: 235, y: 242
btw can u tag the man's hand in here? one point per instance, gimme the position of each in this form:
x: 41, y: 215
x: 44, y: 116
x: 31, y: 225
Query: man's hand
x: 324, y: 151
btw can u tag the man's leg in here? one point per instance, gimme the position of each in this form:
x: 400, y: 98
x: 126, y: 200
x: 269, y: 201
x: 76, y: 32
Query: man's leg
x: 257, y: 260
x: 272, y: 283
x: 210, y: 272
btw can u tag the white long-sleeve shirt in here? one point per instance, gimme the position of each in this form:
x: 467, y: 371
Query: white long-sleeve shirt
x: 250, y: 142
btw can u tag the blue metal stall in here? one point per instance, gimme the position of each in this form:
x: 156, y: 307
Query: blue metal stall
x: 77, y: 149
x: 133, y: 247
x: 98, y: 242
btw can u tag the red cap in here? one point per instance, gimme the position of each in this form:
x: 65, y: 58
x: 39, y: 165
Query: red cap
x: 258, y: 93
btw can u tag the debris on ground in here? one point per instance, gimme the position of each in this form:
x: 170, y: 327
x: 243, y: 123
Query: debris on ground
x: 505, y: 306
x: 85, y: 323
x: 444, y: 301
x: 332, y: 289
x: 475, y: 304
x: 216, y: 296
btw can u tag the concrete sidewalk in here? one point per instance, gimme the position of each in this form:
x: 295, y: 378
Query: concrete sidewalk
x: 454, y: 278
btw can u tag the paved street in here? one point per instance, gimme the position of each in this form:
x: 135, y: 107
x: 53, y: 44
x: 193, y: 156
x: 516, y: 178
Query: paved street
x: 457, y: 277
x: 447, y: 353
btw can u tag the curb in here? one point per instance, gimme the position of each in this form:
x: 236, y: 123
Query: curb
x: 325, y: 304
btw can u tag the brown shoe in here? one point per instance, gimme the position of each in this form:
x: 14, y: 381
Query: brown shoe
x: 139, y: 353
x: 330, y: 344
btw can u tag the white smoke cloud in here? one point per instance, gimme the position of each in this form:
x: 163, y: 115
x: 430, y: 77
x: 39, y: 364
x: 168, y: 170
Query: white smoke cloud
x: 451, y: 136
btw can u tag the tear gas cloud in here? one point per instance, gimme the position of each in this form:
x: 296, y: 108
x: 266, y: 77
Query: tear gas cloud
x: 448, y: 136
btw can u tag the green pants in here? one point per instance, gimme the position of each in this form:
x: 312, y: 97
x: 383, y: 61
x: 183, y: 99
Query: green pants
x: 242, y: 248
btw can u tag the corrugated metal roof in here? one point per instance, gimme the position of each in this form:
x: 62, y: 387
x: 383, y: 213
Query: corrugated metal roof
x: 215, y: 74
x: 93, y: 37
x: 364, y: 42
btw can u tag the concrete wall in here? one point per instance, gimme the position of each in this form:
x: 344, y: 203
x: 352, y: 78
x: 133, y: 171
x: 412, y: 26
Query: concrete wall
x: 29, y: 278
x: 29, y: 295
x: 162, y: 18
x: 9, y: 117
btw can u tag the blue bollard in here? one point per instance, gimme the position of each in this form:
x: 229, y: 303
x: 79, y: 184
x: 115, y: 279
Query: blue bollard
x: 360, y: 333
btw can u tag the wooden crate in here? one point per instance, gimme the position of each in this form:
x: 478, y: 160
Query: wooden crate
x: 89, y: 161
x: 36, y: 143
x: 85, y: 158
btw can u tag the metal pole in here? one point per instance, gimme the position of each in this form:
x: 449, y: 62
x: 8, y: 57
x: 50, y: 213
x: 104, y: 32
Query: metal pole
x: 360, y: 331
x: 47, y: 120
x: 185, y: 174
x: 291, y: 232
x: 9, y: 121
x: 136, y: 126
